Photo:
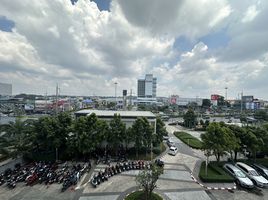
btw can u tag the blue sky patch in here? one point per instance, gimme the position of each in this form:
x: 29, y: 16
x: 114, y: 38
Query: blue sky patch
x: 183, y: 44
x: 6, y: 24
x: 216, y: 39
x: 102, y: 4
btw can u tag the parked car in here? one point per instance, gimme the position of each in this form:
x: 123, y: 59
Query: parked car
x: 173, y: 151
x: 253, y: 175
x: 170, y: 142
x: 240, y: 177
x: 165, y: 137
x: 159, y: 163
x: 261, y: 170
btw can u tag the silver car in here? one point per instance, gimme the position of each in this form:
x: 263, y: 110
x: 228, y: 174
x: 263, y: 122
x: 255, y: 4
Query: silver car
x: 239, y: 176
x: 253, y: 175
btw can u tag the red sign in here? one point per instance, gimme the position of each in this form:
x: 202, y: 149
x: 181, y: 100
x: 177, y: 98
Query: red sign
x: 173, y: 100
x: 215, y: 97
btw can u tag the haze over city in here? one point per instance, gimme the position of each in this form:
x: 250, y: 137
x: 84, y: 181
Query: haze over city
x: 194, y: 48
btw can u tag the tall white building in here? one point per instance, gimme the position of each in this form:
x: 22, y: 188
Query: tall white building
x: 147, y: 90
x: 5, y: 89
x: 147, y: 87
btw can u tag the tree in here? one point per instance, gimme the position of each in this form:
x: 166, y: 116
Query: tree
x: 217, y: 139
x: 189, y: 118
x: 142, y: 133
x: 117, y: 131
x: 147, y: 179
x: 147, y: 133
x: 206, y: 103
x: 239, y: 133
x: 87, y: 133
x: 43, y: 129
x: 160, y: 131
x: 261, y: 115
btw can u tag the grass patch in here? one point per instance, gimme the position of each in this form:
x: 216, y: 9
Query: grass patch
x: 139, y: 195
x: 189, y: 140
x: 215, y: 173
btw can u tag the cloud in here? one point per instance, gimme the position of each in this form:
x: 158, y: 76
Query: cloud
x: 86, y: 50
x: 250, y: 14
x: 176, y: 18
x: 66, y: 41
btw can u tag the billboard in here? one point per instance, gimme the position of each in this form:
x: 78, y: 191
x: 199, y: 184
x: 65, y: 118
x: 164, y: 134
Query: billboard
x: 124, y: 92
x: 173, y: 99
x: 215, y: 97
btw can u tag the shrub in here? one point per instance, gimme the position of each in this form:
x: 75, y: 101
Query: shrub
x: 215, y: 173
x: 189, y: 140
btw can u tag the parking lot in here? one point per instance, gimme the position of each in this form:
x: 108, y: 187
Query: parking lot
x: 175, y: 183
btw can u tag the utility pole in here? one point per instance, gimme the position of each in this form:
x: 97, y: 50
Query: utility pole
x: 241, y: 101
x: 115, y: 88
x: 226, y: 88
x: 46, y: 102
x: 57, y: 93
x: 130, y: 98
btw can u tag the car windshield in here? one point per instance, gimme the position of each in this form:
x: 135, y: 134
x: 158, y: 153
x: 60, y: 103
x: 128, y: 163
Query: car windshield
x: 253, y: 173
x: 240, y: 174
x: 266, y: 171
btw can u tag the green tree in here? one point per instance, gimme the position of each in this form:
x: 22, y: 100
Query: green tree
x: 142, y: 133
x: 117, y: 132
x: 190, y: 118
x: 147, y: 134
x: 239, y: 133
x: 261, y: 115
x: 88, y: 133
x: 206, y: 103
x: 216, y: 139
x: 43, y: 134
x: 128, y: 137
x: 147, y: 179
x: 160, y: 131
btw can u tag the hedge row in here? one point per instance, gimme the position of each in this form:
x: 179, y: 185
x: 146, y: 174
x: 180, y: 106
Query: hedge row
x: 215, y: 173
x: 189, y: 140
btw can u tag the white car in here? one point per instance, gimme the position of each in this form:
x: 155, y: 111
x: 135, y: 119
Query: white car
x: 253, y: 175
x: 173, y: 151
x: 170, y: 142
x: 239, y: 176
x: 165, y: 137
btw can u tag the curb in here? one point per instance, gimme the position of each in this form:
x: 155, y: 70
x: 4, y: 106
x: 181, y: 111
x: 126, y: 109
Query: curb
x: 212, y: 188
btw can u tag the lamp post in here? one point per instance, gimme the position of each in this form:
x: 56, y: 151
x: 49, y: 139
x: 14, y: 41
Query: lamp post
x: 152, y: 139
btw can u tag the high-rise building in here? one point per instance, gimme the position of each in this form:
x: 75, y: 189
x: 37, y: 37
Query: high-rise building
x: 147, y: 87
x: 5, y: 89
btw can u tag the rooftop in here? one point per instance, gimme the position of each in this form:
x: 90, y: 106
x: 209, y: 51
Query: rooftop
x: 110, y: 113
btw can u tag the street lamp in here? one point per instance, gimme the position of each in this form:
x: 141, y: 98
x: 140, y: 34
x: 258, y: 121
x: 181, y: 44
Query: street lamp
x: 152, y: 140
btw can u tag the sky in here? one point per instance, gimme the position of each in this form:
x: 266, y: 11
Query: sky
x: 194, y: 48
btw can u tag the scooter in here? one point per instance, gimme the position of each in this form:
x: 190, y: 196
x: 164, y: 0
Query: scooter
x: 94, y: 181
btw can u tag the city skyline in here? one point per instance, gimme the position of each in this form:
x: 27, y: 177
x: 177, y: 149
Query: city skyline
x: 86, y: 46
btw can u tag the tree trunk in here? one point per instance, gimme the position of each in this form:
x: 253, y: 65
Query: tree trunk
x: 218, y: 157
x: 235, y: 154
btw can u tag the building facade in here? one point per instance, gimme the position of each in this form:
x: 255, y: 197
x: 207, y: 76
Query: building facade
x: 147, y: 87
x: 176, y: 100
x: 5, y: 89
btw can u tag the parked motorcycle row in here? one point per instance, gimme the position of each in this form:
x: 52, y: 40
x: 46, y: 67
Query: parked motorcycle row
x: 112, y: 170
x: 44, y: 173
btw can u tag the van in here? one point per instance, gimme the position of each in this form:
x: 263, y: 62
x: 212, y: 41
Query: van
x: 173, y: 151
